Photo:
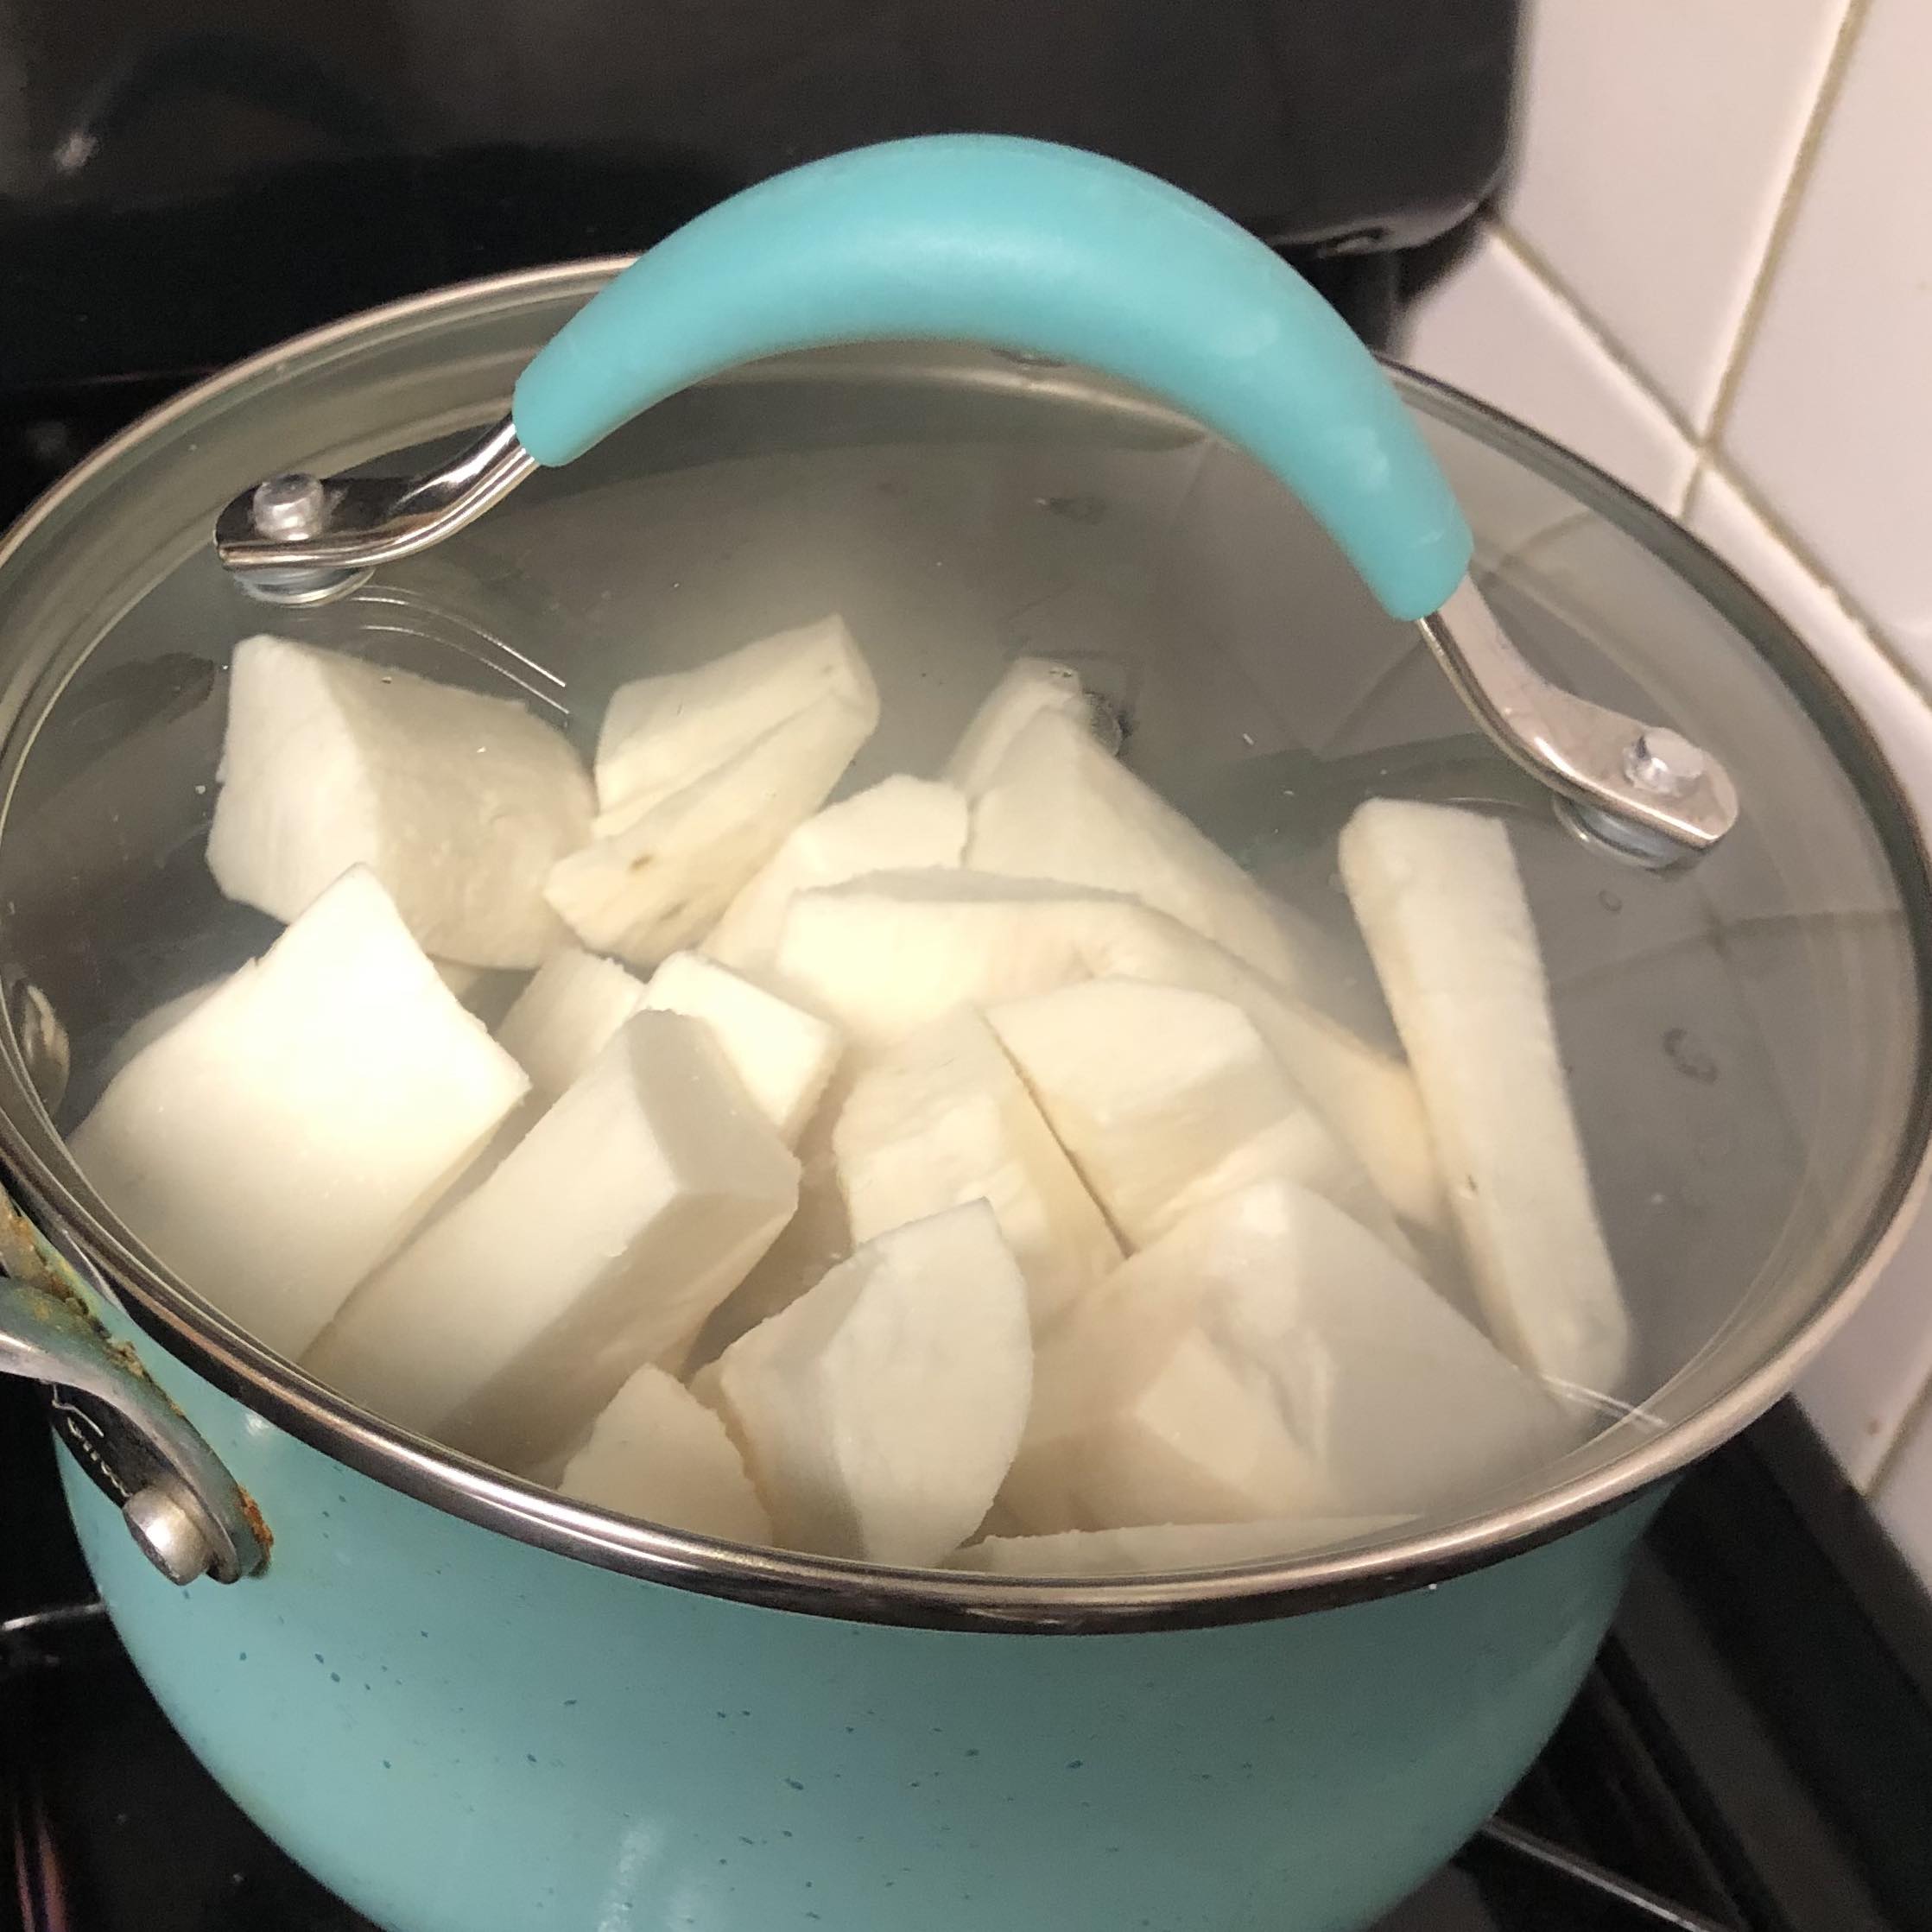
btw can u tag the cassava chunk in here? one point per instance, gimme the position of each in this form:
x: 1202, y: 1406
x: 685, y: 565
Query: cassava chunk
x: 1440, y: 900
x: 1367, y: 1095
x: 896, y: 823
x: 941, y: 1119
x: 459, y: 803
x: 609, y: 1232
x: 658, y: 1454
x: 661, y: 870
x: 813, y: 1241
x: 156, y: 1021
x: 783, y: 1054
x: 1152, y: 1549
x: 281, y: 1136
x: 1060, y: 806
x: 562, y: 1019
x: 1166, y: 1097
x: 662, y: 732
x: 884, y: 954
x: 1268, y: 1357
x: 1028, y: 686
x: 880, y: 1411
x: 889, y: 953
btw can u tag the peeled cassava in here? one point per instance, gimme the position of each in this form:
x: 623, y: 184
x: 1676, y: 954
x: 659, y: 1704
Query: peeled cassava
x: 560, y: 1023
x: 661, y: 732
x: 899, y: 822
x: 1440, y: 900
x: 880, y: 1411
x: 293, y: 1126
x: 783, y: 1055
x: 657, y: 1453
x: 884, y: 954
x: 1268, y: 1357
x: 1058, y: 805
x: 1167, y: 1097
x: 941, y: 1119
x: 607, y: 1235
x: 1027, y: 686
x: 459, y: 804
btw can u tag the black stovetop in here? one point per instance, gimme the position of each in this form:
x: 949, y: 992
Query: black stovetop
x: 1752, y: 1752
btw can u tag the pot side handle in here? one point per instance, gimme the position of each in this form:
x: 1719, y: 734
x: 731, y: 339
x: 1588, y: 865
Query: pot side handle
x: 189, y: 1516
x: 1036, y: 248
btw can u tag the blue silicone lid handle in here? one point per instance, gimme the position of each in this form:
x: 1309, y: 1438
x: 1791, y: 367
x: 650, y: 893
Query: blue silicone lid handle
x: 1032, y: 247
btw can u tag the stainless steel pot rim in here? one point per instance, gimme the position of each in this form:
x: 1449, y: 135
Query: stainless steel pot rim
x: 49, y: 1187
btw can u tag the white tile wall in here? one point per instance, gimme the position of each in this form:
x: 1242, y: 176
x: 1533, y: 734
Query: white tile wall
x: 1496, y: 328
x: 1655, y: 141
x: 1711, y: 272
x: 1892, y: 694
x: 1833, y: 415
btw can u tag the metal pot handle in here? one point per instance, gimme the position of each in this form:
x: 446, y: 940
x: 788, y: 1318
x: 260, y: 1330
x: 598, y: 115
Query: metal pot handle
x: 1051, y: 252
x: 182, y: 1507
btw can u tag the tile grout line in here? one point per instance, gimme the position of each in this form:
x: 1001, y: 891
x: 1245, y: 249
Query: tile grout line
x: 1711, y: 463
x: 1893, y: 1451
x: 1701, y: 467
x: 1708, y: 461
x: 1831, y: 84
x: 1703, y: 441
x: 1707, y: 458
x: 1600, y: 338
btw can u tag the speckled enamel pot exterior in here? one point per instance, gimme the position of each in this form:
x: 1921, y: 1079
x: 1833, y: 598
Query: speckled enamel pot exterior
x: 460, y: 1733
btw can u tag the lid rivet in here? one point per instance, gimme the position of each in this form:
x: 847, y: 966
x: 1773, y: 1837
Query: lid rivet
x: 168, y: 1535
x: 1663, y: 761
x: 292, y: 505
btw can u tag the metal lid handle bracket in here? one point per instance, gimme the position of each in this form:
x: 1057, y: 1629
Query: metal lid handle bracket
x: 187, y: 1513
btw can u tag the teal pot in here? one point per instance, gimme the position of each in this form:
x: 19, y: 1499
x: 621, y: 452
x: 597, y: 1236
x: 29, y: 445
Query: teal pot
x: 454, y: 1730
x: 986, y: 399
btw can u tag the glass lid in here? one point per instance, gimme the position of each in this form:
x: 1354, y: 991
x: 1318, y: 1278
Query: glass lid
x: 1217, y: 1113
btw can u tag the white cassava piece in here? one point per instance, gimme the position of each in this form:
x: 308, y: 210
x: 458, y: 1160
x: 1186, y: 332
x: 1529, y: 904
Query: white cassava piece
x: 1060, y: 806
x: 880, y: 1411
x: 662, y: 732
x: 1027, y: 686
x: 607, y: 1235
x: 156, y: 1021
x: 1440, y: 900
x: 898, y: 823
x: 1268, y: 1357
x: 941, y: 1119
x: 884, y: 954
x: 660, y: 870
x: 783, y: 1054
x: 572, y: 1004
x: 461, y: 804
x: 293, y: 1126
x: 1166, y: 1097
x: 889, y: 953
x: 659, y: 1454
